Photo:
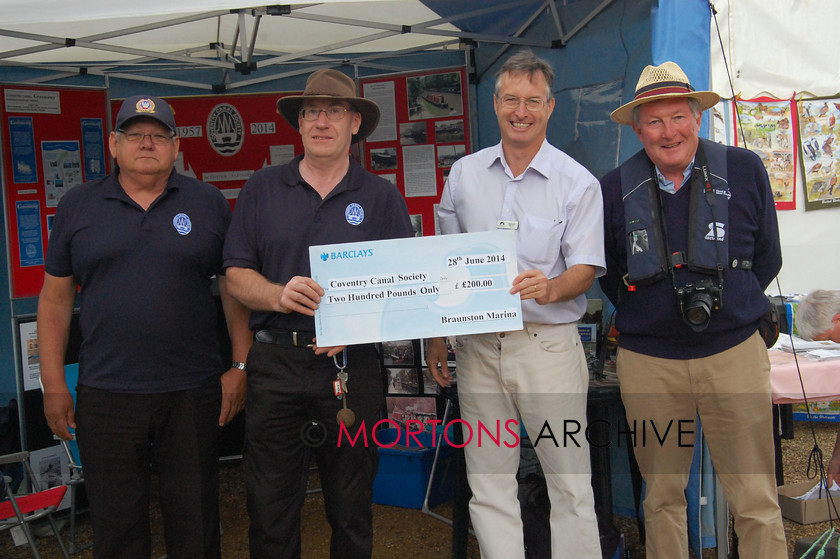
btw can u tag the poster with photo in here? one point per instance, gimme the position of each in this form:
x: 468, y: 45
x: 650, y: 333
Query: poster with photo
x: 766, y: 126
x: 31, y: 357
x: 403, y: 381
x: 449, y: 131
x: 430, y: 386
x: 413, y: 133
x: 390, y: 177
x: 62, y: 168
x: 51, y: 466
x: 434, y: 95
x: 423, y: 112
x: 721, y: 126
x: 447, y: 155
x: 451, y: 341
x: 383, y: 159
x: 819, y: 151
x: 417, y: 224
x: 401, y: 409
x: 399, y: 352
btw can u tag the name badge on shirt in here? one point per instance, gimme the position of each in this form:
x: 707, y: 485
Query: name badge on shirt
x: 504, y: 224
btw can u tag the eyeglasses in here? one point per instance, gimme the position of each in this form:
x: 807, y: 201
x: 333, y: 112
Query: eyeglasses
x: 533, y: 104
x: 137, y: 137
x: 336, y: 112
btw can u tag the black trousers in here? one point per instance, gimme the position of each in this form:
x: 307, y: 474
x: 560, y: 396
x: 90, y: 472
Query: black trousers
x: 121, y: 438
x: 291, y: 416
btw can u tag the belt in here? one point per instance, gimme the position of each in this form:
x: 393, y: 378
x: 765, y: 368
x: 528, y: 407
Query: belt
x: 285, y: 338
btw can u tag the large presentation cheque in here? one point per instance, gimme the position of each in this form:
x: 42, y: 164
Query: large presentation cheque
x: 420, y: 287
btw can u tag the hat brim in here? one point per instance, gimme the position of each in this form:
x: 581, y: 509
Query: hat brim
x: 624, y: 114
x: 290, y: 107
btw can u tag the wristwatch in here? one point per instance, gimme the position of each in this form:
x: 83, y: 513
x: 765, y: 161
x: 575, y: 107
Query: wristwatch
x: 238, y: 365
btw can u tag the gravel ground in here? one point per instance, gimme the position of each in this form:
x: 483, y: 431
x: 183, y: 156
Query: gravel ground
x: 410, y: 534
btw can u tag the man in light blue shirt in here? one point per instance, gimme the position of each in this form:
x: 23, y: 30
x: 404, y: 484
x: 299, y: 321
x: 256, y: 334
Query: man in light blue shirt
x: 536, y: 376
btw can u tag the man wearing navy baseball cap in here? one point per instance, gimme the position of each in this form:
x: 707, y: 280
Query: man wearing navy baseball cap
x: 143, y: 244
x: 145, y: 106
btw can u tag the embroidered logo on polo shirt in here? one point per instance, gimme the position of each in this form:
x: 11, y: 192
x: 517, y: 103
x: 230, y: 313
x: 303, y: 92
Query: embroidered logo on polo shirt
x: 182, y: 224
x: 354, y: 214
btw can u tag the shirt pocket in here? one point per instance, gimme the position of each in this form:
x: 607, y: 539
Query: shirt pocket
x: 539, y: 241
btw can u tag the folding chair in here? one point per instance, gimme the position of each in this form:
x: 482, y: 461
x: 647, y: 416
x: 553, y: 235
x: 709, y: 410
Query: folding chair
x: 21, y: 510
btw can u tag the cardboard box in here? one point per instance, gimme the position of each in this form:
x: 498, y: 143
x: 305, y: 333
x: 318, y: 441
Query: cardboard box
x: 803, y: 512
x: 404, y: 471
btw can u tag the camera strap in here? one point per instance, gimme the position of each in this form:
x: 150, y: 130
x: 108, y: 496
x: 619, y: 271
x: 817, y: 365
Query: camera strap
x: 701, y: 187
x: 704, y: 176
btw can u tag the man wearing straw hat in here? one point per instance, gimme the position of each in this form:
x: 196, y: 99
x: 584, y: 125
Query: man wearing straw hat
x: 320, y: 197
x: 691, y: 244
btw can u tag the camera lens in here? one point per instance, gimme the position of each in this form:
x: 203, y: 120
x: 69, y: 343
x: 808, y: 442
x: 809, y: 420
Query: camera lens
x: 698, y: 311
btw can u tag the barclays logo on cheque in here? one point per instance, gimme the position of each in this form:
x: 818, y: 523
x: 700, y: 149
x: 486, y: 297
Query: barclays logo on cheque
x: 346, y: 254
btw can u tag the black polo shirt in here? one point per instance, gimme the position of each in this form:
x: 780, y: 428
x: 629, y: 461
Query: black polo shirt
x: 148, y: 317
x: 278, y: 216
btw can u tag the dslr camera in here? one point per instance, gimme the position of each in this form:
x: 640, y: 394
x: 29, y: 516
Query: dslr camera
x: 697, y: 301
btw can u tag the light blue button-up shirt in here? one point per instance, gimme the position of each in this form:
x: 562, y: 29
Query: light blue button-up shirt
x: 556, y: 204
x: 668, y: 186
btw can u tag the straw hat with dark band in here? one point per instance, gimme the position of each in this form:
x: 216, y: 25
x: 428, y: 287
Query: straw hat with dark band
x: 666, y: 81
x: 333, y: 85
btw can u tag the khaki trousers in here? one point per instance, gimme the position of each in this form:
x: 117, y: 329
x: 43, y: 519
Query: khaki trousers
x: 539, y: 376
x: 730, y: 391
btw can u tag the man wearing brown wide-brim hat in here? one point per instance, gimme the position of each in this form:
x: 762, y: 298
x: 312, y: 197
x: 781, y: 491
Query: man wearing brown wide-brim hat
x: 692, y: 242
x: 321, y: 197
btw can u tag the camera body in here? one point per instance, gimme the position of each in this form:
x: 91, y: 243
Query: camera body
x: 697, y: 301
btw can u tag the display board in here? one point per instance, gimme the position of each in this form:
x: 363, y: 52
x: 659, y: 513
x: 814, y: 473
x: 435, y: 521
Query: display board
x: 226, y: 138
x: 423, y: 130
x: 53, y: 139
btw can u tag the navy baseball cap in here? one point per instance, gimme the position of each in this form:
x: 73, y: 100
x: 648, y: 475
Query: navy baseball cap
x: 147, y: 106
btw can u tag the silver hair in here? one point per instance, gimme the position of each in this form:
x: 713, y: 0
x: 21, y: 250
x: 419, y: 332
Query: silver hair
x: 814, y: 313
x: 693, y: 105
x: 526, y: 62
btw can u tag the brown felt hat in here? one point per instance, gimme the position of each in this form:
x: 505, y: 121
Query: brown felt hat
x: 331, y: 84
x: 666, y: 81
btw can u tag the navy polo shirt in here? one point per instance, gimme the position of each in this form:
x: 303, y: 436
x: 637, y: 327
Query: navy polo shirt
x: 148, y: 317
x: 278, y: 216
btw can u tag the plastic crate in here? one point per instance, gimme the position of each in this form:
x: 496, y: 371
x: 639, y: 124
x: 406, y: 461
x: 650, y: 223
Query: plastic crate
x: 404, y: 471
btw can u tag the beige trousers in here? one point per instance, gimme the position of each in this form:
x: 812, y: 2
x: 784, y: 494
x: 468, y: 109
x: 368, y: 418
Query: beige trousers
x: 730, y: 391
x: 537, y: 375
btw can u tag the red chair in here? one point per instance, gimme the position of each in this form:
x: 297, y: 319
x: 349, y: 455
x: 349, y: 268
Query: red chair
x: 22, y: 509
